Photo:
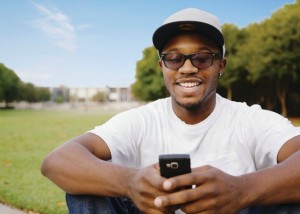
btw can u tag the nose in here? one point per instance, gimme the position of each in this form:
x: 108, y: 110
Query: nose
x: 188, y: 67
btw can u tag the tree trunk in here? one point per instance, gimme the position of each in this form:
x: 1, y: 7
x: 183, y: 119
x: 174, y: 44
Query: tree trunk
x: 229, y: 92
x: 269, y: 103
x: 281, y: 91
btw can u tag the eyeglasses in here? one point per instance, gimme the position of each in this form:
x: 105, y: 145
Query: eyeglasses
x: 200, y: 60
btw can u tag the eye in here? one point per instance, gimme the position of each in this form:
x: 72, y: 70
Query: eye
x: 202, y: 58
x: 173, y: 57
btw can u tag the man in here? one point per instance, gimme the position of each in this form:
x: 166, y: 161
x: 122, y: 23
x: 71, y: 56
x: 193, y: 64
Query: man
x: 241, y: 156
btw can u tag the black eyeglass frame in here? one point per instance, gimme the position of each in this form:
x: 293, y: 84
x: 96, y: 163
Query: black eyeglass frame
x: 190, y: 57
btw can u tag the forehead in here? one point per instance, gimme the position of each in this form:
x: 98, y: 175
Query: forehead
x: 190, y: 42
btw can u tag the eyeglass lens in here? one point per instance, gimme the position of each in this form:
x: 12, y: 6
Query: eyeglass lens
x: 199, y: 60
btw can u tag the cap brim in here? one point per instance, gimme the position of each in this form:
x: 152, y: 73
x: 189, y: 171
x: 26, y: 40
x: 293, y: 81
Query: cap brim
x: 163, y: 34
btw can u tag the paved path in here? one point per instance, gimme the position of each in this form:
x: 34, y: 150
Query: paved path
x: 4, y: 209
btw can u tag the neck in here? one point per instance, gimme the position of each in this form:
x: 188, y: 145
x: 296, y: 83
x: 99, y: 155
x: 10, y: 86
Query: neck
x: 195, y: 114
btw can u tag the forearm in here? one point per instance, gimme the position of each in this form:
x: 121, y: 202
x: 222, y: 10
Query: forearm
x: 275, y: 185
x: 74, y: 169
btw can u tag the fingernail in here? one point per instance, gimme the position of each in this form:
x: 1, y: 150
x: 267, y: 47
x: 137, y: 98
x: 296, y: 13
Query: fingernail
x: 157, y: 202
x: 167, y: 185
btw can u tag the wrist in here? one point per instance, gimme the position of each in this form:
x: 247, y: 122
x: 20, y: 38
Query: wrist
x: 249, y: 190
x: 257, y: 188
x: 127, y: 181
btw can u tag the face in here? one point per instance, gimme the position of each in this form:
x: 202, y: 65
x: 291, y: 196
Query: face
x: 192, y: 88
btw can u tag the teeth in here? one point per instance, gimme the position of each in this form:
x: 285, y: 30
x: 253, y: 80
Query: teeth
x: 188, y: 84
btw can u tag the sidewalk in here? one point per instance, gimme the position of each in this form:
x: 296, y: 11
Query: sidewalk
x: 4, y: 209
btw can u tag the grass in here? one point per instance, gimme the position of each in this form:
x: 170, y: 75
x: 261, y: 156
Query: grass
x: 26, y: 138
x: 295, y: 121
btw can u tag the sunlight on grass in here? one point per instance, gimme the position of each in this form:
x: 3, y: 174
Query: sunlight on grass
x: 26, y: 138
x: 295, y: 121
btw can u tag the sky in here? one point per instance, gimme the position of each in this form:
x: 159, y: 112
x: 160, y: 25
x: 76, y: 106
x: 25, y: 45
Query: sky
x: 97, y: 43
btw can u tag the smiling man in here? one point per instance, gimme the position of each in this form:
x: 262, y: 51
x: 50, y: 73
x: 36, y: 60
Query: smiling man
x: 243, y: 158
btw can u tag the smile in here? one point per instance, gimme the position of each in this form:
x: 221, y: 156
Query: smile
x: 189, y: 84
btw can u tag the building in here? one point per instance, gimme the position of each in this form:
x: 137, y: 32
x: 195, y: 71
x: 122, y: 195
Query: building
x: 87, y: 95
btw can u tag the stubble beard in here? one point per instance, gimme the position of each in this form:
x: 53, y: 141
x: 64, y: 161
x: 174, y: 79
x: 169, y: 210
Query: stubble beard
x: 190, y: 106
x: 198, y: 104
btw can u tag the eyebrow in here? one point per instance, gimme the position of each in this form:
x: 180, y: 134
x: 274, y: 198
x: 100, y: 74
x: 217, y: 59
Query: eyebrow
x: 199, y: 50
x: 206, y: 48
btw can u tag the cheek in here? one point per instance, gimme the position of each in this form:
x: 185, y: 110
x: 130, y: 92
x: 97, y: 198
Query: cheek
x: 211, y: 77
x: 213, y: 73
x: 167, y: 79
x: 214, y: 80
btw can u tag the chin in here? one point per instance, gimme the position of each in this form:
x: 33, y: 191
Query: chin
x: 189, y: 105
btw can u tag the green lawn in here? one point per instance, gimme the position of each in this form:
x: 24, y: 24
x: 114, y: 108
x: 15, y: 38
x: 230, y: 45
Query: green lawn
x: 296, y: 121
x: 25, y: 139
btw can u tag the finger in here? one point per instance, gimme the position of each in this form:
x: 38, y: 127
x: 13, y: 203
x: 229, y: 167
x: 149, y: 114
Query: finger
x: 176, y: 198
x: 200, y: 206
x: 149, y: 207
x: 182, y: 181
x: 197, y: 177
x: 156, y: 166
x: 153, y: 211
x: 202, y: 168
x: 156, y: 179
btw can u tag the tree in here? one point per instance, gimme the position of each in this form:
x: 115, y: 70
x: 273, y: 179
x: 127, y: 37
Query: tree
x: 28, y: 93
x: 149, y: 83
x: 43, y: 94
x: 100, y: 97
x: 273, y: 59
x: 235, y: 69
x: 31, y: 94
x: 9, y: 85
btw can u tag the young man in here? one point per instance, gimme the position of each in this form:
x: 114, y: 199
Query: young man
x: 241, y: 156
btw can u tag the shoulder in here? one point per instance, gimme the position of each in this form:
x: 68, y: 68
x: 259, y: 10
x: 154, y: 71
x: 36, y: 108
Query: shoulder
x: 245, y: 112
x: 251, y: 115
x: 230, y: 103
x: 238, y: 106
x: 235, y: 107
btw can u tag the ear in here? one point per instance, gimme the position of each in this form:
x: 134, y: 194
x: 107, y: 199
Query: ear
x: 160, y: 64
x: 222, y: 65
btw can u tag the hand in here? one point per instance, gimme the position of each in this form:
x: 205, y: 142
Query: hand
x: 215, y: 192
x: 143, y: 186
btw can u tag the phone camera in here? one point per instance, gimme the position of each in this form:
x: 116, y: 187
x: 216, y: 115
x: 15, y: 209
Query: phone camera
x: 173, y: 165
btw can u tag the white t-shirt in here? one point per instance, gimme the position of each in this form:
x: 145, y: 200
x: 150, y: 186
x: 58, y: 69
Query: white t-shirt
x: 235, y: 138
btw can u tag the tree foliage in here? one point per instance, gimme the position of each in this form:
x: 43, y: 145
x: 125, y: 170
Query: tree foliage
x: 9, y: 85
x: 100, y: 97
x: 13, y: 89
x: 32, y: 94
x: 149, y: 83
x: 235, y: 69
x: 272, y: 52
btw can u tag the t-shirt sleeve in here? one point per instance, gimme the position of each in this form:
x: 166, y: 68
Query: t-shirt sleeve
x: 122, y: 134
x: 266, y: 132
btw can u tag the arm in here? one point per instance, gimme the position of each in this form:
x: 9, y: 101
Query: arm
x: 222, y: 193
x: 79, y: 166
x: 277, y: 184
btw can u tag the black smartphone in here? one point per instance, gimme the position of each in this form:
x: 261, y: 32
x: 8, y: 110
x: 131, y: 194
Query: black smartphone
x: 174, y: 164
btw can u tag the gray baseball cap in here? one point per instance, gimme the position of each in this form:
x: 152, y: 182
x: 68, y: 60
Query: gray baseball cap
x: 189, y: 20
